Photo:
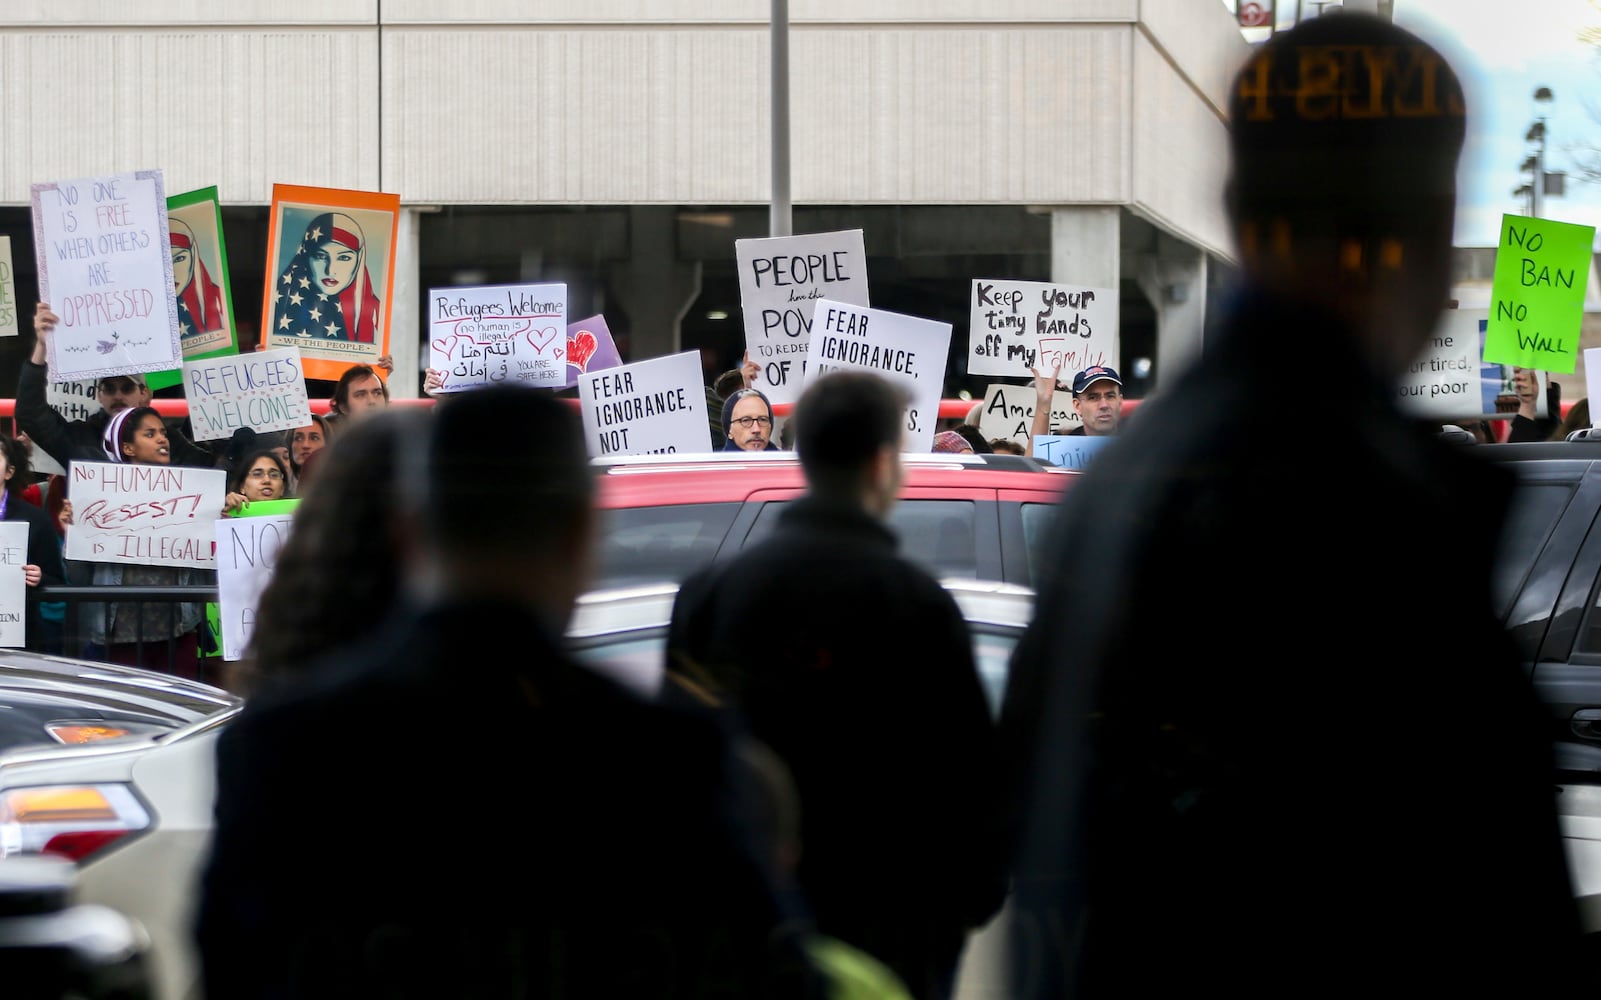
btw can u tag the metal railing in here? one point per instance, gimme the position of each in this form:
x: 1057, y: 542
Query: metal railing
x: 72, y: 636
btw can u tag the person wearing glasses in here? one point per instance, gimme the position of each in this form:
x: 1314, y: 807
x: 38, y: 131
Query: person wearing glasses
x: 262, y: 475
x: 67, y: 440
x: 748, y: 421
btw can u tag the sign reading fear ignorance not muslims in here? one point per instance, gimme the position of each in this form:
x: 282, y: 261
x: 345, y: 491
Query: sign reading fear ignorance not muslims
x: 907, y: 350
x: 654, y: 407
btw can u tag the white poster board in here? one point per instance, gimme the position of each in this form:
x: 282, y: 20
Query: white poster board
x: 480, y: 335
x: 262, y: 390
x: 904, y: 349
x: 13, y: 583
x: 781, y: 280
x: 152, y: 515
x: 8, y: 290
x: 105, y: 267
x: 1592, y: 376
x: 653, y: 407
x: 247, y: 552
x: 1017, y: 325
x: 1450, y: 380
x: 1009, y: 412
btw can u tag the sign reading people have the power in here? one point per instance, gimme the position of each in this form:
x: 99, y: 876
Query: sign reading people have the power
x: 263, y: 390
x: 904, y: 349
x: 653, y: 407
x: 1017, y: 325
x: 781, y: 280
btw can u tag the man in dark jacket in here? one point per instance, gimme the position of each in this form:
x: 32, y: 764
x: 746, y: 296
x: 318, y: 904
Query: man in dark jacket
x: 1225, y: 721
x: 856, y: 668
x: 68, y: 440
x: 456, y: 808
x: 748, y: 421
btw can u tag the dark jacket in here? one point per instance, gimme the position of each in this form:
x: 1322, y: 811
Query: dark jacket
x: 452, y: 807
x: 1538, y: 428
x: 1224, y: 723
x: 80, y: 440
x: 856, y: 668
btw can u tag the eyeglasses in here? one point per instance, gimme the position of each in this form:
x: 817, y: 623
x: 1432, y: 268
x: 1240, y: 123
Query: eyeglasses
x: 749, y: 422
x: 272, y: 474
x: 125, y: 386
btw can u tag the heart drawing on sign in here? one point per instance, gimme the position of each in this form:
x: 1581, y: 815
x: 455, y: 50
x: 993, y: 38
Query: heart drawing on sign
x: 541, y: 338
x: 580, y: 349
x: 447, y: 345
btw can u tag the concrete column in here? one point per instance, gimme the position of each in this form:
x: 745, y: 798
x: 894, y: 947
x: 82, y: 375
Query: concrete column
x: 654, y: 286
x: 406, y: 331
x: 1174, y: 279
x: 1085, y: 246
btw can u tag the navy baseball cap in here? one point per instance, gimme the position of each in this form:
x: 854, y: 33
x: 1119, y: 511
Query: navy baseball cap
x: 1094, y: 373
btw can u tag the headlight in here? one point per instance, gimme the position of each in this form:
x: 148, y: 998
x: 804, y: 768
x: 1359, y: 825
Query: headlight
x: 72, y: 821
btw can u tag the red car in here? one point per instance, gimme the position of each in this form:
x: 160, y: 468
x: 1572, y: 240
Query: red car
x: 962, y: 516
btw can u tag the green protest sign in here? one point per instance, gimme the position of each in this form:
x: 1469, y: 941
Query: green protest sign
x: 1537, y: 299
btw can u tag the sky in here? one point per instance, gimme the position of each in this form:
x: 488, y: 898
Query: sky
x: 1504, y: 50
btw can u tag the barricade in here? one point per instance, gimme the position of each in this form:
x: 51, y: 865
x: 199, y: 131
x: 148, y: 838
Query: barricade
x: 72, y: 638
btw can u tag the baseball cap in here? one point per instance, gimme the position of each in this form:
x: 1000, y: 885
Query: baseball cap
x: 138, y: 380
x: 1094, y: 373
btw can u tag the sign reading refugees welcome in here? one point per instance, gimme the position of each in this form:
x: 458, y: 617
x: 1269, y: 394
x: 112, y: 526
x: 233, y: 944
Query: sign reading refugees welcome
x: 1015, y: 326
x: 781, y: 281
x: 154, y: 515
x: 1537, y: 298
x: 263, y: 390
x: 650, y: 407
x: 481, y: 335
x: 907, y: 350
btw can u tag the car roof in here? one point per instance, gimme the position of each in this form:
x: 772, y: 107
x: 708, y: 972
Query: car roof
x: 657, y: 480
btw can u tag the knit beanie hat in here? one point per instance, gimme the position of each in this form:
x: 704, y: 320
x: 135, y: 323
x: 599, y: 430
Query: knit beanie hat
x: 733, y: 398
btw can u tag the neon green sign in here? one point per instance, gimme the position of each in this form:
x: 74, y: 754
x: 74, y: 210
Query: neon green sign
x: 1537, y: 299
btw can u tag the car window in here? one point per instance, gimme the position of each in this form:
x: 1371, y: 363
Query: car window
x: 936, y: 534
x: 654, y: 544
x: 1036, y: 525
x: 1534, y: 512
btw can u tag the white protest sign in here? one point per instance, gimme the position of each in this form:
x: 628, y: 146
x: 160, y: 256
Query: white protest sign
x: 904, y: 349
x: 1009, y: 412
x: 13, y: 583
x: 1017, y: 325
x: 1450, y: 380
x: 650, y: 407
x: 8, y: 290
x: 482, y: 334
x: 1592, y: 376
x: 247, y: 551
x: 781, y: 280
x: 105, y: 267
x: 152, y: 515
x: 262, y: 390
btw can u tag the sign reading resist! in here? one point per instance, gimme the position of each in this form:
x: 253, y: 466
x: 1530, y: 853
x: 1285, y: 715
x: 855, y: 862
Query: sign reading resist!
x: 263, y: 390
x: 645, y: 408
x: 157, y: 515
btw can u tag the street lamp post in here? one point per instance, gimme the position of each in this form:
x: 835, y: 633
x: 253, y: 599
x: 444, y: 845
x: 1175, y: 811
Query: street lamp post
x: 1539, y: 179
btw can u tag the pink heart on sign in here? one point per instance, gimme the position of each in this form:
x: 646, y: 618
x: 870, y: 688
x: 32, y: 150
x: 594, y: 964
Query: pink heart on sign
x: 541, y: 338
x: 580, y: 349
x: 445, y: 347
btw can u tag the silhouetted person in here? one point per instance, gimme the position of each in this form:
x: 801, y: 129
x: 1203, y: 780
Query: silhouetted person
x: 1269, y: 737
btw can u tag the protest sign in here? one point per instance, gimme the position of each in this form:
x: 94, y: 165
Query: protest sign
x: 200, y: 281
x: 647, y: 408
x: 781, y: 280
x: 589, y: 348
x: 1537, y: 297
x: 1009, y: 412
x: 904, y: 349
x: 152, y: 515
x: 1017, y: 325
x: 1592, y: 376
x: 1069, y: 452
x: 13, y: 583
x: 8, y: 290
x: 263, y: 390
x: 481, y: 335
x: 105, y: 268
x: 1448, y: 380
x: 330, y: 273
x: 74, y: 401
x: 247, y: 552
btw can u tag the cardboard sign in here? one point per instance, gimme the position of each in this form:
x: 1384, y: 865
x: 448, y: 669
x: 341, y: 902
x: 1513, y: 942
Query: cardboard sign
x: 263, y: 390
x: 149, y: 515
x: 330, y: 269
x: 247, y: 552
x: 105, y: 267
x: 481, y: 335
x: 201, y: 286
x: 1017, y: 325
x: 781, y: 280
x: 1009, y: 412
x: 653, y: 407
x: 1072, y: 452
x: 590, y: 348
x: 8, y: 290
x: 1537, y: 298
x: 904, y: 349
x: 13, y: 584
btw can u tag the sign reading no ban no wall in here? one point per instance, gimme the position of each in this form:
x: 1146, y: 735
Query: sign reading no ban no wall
x: 1537, y: 299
